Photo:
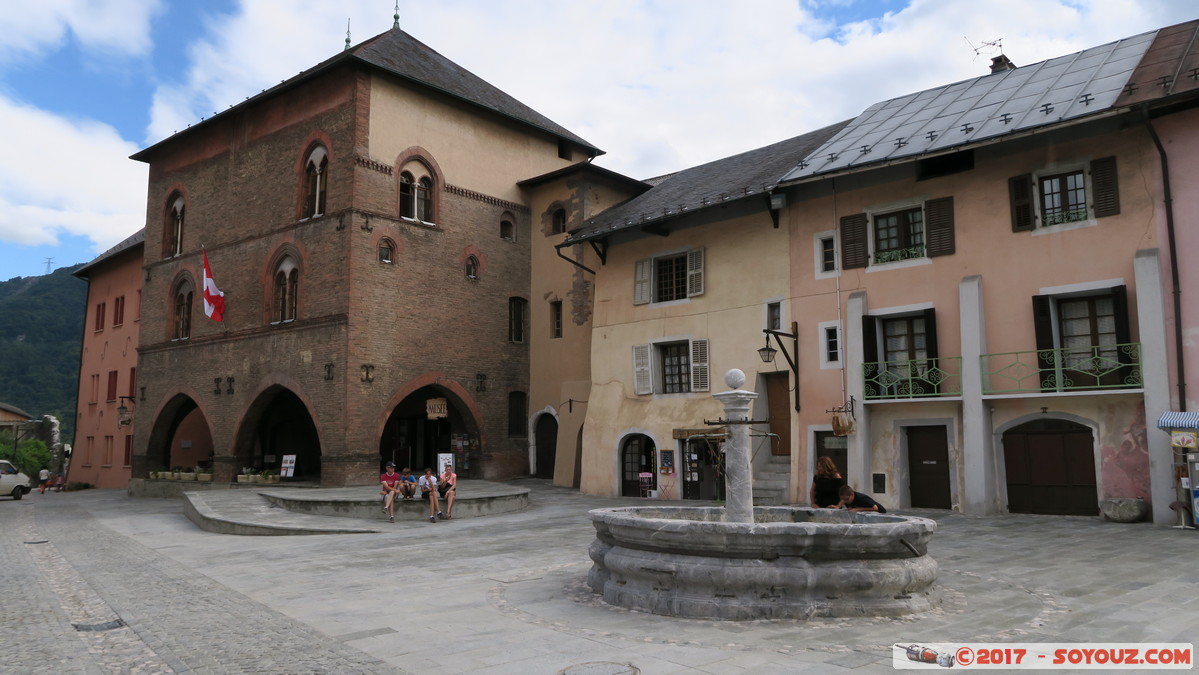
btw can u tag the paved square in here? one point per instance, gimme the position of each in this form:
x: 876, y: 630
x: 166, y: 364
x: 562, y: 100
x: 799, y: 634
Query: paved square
x: 506, y: 594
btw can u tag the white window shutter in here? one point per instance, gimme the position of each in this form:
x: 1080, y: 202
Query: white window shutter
x: 641, y: 281
x: 695, y: 272
x: 643, y: 381
x: 699, y: 365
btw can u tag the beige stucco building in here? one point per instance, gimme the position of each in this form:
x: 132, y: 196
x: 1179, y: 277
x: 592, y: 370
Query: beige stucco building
x: 976, y: 276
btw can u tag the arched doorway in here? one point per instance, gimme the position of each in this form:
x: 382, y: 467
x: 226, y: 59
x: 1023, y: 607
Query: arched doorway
x: 278, y: 425
x: 545, y: 435
x: 430, y: 421
x: 1051, y: 468
x: 637, y: 456
x: 180, y: 437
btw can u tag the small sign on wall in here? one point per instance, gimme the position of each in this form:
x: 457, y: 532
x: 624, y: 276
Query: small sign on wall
x: 436, y: 408
x: 666, y: 461
x: 1184, y: 439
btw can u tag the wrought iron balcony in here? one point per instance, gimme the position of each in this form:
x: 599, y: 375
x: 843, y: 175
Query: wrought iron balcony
x: 897, y: 254
x: 1067, y: 369
x: 919, y: 378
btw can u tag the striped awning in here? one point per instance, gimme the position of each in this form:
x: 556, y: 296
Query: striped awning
x: 1178, y: 420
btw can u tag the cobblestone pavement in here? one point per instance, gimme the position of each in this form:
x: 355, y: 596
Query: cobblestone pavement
x: 506, y: 594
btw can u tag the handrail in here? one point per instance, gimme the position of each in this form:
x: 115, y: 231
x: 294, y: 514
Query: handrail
x: 1116, y: 366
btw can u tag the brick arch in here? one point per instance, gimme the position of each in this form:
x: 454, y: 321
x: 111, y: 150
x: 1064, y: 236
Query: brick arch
x: 442, y: 381
x: 315, y: 138
x: 418, y: 154
x: 469, y: 251
x: 172, y: 407
x: 250, y: 414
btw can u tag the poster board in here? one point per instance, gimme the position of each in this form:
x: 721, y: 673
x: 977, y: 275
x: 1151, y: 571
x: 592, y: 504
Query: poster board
x: 289, y: 466
x: 444, y: 458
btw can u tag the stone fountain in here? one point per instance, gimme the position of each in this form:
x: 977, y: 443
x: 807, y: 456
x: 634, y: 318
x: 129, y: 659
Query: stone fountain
x: 766, y: 562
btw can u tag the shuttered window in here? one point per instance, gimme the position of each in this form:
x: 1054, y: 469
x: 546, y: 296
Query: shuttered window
x: 669, y: 277
x: 1054, y: 198
x: 671, y: 367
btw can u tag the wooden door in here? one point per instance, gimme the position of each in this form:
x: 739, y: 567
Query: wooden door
x: 778, y: 406
x: 928, y: 467
x: 1051, y: 469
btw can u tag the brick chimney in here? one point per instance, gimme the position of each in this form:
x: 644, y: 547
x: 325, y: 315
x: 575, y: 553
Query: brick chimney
x: 1001, y: 63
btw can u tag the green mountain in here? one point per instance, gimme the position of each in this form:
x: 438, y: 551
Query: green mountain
x: 41, y: 329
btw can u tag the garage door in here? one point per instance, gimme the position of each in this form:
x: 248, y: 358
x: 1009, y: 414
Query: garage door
x: 1051, y: 469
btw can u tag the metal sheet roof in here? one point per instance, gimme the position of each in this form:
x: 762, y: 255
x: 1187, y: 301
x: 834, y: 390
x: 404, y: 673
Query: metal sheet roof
x: 940, y: 119
x: 1178, y: 420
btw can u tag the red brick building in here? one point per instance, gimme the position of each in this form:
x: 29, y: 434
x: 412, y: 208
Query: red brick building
x: 366, y: 224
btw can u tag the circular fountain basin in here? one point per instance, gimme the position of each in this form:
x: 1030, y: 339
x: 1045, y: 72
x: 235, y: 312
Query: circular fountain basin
x: 792, y: 562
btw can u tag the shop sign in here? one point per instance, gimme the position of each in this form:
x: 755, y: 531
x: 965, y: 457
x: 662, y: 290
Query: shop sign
x: 436, y: 408
x: 1184, y: 439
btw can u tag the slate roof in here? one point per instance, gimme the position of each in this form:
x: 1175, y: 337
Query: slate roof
x: 407, y: 58
x: 749, y: 175
x: 136, y: 239
x: 1087, y: 83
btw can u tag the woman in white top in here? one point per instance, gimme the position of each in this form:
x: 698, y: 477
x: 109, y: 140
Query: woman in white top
x: 428, y: 490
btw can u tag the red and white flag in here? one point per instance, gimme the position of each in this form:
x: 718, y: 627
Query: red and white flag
x: 214, y: 299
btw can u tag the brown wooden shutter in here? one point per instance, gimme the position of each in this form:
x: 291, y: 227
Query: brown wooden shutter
x: 855, y: 250
x: 938, y: 218
x: 1042, y: 321
x: 1020, y: 191
x: 930, y: 332
x: 1106, y: 186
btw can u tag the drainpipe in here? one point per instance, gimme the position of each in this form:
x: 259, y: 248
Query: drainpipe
x: 558, y: 250
x: 1176, y: 290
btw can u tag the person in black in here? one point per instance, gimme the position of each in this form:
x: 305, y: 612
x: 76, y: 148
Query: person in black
x: 825, y: 484
x: 856, y: 501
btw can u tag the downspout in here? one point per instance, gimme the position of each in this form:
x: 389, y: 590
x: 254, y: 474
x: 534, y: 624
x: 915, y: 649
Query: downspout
x: 558, y: 250
x: 1180, y: 364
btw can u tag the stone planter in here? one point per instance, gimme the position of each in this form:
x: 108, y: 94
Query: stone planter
x: 255, y: 478
x: 204, y: 476
x: 243, y: 478
x: 187, y: 475
x: 273, y: 478
x: 152, y: 475
x: 1124, y: 509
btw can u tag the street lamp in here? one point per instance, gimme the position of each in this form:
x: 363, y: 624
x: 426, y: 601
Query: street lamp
x: 767, y: 353
x: 124, y: 414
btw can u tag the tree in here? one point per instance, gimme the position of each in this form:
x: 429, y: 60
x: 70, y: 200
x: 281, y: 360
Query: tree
x: 30, y: 456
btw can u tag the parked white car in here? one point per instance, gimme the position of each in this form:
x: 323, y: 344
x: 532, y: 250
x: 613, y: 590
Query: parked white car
x: 13, y: 482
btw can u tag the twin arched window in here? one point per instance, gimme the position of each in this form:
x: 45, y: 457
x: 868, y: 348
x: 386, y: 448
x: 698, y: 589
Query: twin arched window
x: 172, y: 231
x: 416, y: 197
x: 287, y: 282
x: 316, y: 180
x: 183, y: 310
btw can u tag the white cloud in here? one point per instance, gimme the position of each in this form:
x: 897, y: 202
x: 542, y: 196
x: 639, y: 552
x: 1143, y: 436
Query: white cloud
x: 661, y: 84
x: 60, y: 175
x: 114, y: 26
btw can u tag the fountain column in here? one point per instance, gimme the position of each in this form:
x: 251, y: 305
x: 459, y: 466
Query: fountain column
x: 738, y: 473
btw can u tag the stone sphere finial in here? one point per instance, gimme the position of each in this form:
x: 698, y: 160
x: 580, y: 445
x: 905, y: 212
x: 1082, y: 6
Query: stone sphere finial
x: 734, y: 378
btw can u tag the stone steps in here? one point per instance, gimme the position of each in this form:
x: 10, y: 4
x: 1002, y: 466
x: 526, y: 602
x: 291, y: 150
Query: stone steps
x: 771, y: 480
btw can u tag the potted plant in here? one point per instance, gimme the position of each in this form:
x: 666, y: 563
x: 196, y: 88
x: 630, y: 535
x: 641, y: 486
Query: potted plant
x: 244, y: 476
x: 269, y: 476
x: 203, y: 474
x: 176, y: 473
x: 187, y: 474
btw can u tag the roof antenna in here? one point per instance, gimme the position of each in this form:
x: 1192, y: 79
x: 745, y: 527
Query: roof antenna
x: 347, y: 34
x: 396, y: 24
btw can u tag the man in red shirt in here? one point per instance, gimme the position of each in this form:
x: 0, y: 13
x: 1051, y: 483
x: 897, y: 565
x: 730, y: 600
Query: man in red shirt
x: 389, y: 481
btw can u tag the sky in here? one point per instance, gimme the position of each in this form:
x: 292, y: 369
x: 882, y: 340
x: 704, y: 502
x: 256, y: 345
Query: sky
x: 659, y: 85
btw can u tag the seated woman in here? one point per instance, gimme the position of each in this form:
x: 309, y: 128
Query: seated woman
x: 447, y: 485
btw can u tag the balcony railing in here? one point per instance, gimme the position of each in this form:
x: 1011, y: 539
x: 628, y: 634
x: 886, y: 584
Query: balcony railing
x: 897, y: 254
x: 1067, y: 369
x: 919, y: 378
